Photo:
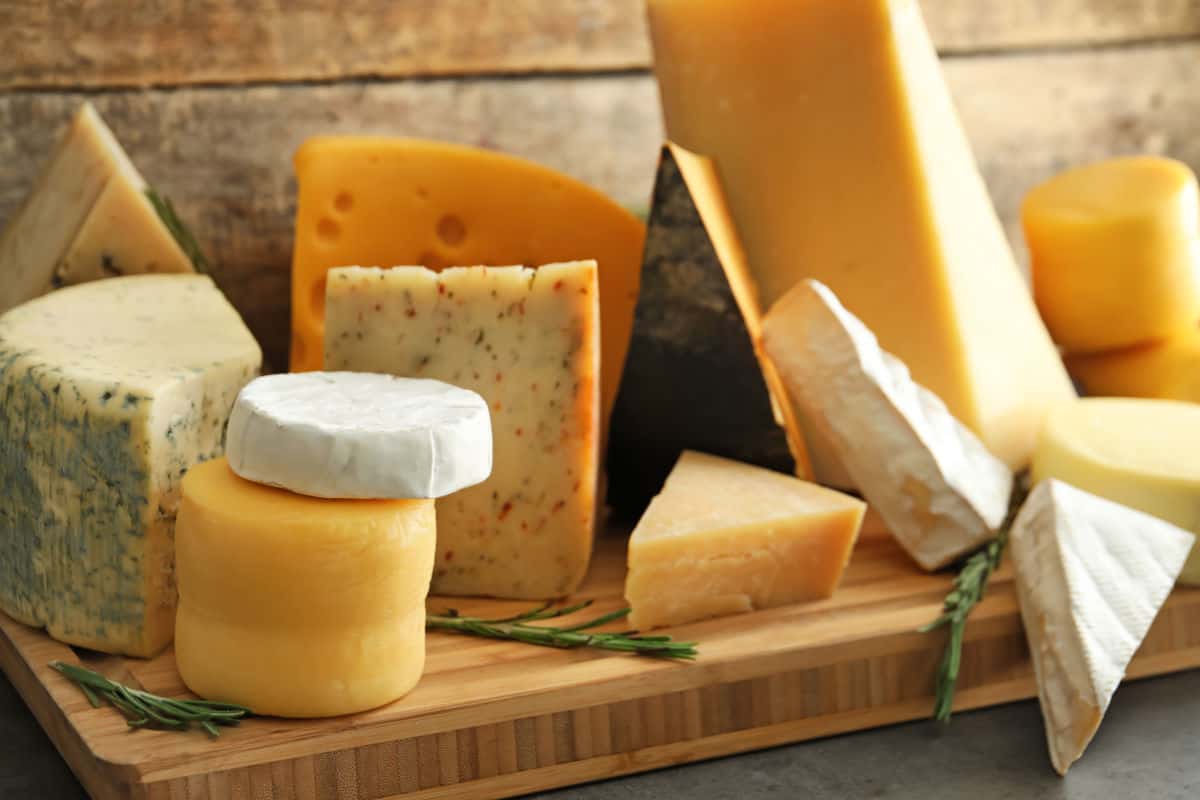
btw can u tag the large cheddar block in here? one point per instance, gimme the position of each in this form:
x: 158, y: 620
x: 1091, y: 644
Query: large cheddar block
x: 376, y: 200
x: 1167, y: 370
x: 1115, y: 252
x: 527, y: 341
x: 297, y: 606
x: 843, y: 160
x: 725, y: 537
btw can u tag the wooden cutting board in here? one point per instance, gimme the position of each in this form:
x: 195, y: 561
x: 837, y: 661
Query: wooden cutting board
x: 496, y: 719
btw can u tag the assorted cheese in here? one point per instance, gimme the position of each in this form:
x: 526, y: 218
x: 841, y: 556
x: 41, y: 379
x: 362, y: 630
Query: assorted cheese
x: 1144, y: 454
x: 297, y: 606
x: 1115, y: 251
x: 724, y: 537
x: 527, y: 341
x: 937, y: 487
x: 1091, y: 577
x: 111, y: 392
x: 360, y: 435
x: 88, y: 217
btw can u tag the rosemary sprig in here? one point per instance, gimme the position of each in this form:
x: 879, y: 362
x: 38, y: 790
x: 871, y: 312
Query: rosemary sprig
x: 969, y: 587
x: 517, y: 629
x: 183, y: 236
x: 145, y: 710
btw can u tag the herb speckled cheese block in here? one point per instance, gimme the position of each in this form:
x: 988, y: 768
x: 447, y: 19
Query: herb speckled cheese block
x: 528, y: 342
x: 109, y: 393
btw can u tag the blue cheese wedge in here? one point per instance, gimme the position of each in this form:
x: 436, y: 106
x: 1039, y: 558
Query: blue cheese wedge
x: 111, y: 392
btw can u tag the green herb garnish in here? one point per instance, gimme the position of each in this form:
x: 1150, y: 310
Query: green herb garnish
x: 187, y: 242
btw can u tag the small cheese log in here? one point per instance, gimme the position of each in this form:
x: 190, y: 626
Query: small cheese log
x: 1091, y: 577
x: 528, y: 342
x: 1166, y: 370
x: 725, y: 538
x: 1144, y: 454
x: 1115, y: 249
x: 297, y: 606
x: 111, y: 391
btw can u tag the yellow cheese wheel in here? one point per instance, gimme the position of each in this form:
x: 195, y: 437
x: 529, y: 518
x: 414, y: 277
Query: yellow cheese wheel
x: 297, y: 606
x: 1144, y: 454
x: 1168, y: 370
x: 1114, y: 251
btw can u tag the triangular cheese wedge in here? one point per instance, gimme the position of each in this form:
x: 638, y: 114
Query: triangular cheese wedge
x: 1091, y: 577
x: 725, y: 537
x: 693, y: 377
x: 940, y: 491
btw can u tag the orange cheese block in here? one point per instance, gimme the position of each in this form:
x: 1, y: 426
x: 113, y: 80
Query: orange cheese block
x: 393, y: 202
x: 1166, y: 370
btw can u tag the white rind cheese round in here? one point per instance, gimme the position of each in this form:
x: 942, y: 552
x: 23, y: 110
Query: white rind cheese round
x: 360, y: 435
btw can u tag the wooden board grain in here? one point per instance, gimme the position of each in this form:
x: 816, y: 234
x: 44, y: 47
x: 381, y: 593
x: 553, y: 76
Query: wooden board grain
x: 74, y: 43
x: 496, y: 719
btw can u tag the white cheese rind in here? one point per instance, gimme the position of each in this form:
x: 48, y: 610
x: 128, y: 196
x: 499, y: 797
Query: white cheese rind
x: 1091, y: 577
x: 360, y: 435
x: 940, y: 491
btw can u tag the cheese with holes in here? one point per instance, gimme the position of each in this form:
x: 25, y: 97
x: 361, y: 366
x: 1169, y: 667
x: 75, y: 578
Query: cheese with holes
x: 381, y: 201
x: 109, y: 393
x: 1115, y: 252
x: 725, y: 537
x: 1166, y: 370
x: 1091, y: 577
x: 1144, y: 454
x: 297, y: 606
x: 360, y: 435
x: 528, y: 342
x: 843, y: 160
x: 940, y: 491
x: 88, y: 217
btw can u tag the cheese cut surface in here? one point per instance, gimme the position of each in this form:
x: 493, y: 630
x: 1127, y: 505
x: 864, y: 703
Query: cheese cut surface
x: 691, y: 339
x: 1166, y: 370
x: 375, y: 200
x: 725, y: 537
x: 360, y: 435
x: 87, y: 217
x: 527, y: 341
x: 111, y: 392
x: 1144, y: 454
x: 297, y: 606
x: 1091, y: 577
x: 938, y: 488
x: 1115, y: 251
x: 882, y: 201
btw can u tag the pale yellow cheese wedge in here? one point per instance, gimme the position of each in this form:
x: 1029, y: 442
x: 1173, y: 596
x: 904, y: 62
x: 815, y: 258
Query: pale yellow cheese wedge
x: 1114, y: 252
x: 725, y: 537
x: 297, y: 606
x: 1168, y: 370
x: 1144, y: 454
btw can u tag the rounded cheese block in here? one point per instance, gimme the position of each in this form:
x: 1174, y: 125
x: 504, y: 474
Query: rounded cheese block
x: 360, y: 435
x: 1168, y: 370
x: 1144, y: 454
x: 1115, y: 248
x: 297, y: 606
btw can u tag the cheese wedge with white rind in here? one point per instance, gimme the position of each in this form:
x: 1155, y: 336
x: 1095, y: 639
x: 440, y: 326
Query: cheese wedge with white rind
x: 1091, y: 577
x: 940, y: 491
x: 360, y: 435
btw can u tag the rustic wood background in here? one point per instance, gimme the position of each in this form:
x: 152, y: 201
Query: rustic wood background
x: 211, y: 97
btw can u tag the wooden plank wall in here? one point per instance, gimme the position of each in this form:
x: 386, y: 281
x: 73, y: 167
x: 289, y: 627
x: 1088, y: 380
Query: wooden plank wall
x: 211, y: 97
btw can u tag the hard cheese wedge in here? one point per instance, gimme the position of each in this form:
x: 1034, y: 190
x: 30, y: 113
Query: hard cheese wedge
x: 881, y: 199
x: 88, y: 217
x: 1091, y: 577
x: 938, y: 488
x: 296, y: 606
x: 374, y: 200
x: 693, y: 378
x: 1166, y: 370
x: 1115, y: 251
x: 725, y: 537
x: 527, y: 341
x: 1144, y: 454
x: 111, y: 392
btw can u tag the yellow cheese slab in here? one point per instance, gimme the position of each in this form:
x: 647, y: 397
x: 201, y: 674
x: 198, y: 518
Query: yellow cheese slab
x: 297, y: 606
x: 1144, y: 454
x: 381, y: 201
x: 1115, y: 252
x: 843, y: 160
x: 1167, y: 370
x: 725, y: 537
